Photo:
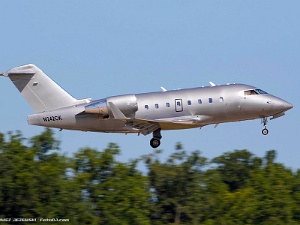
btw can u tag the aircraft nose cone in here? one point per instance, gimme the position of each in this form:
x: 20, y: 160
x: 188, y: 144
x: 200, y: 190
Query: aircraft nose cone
x: 279, y: 105
x: 283, y: 105
x: 286, y: 106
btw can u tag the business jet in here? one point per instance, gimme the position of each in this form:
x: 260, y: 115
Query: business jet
x: 143, y: 113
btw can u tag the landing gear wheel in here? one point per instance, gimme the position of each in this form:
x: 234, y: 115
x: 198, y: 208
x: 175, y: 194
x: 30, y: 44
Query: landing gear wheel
x: 154, y: 142
x: 264, y: 121
x: 265, y: 131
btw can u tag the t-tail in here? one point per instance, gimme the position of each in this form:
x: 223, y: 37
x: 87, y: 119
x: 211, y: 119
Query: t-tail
x: 41, y: 93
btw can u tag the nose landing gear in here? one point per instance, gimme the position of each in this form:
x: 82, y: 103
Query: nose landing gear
x: 155, y: 141
x: 265, y: 121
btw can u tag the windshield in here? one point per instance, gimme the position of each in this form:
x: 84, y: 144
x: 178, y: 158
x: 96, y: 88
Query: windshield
x: 260, y: 91
x: 255, y: 92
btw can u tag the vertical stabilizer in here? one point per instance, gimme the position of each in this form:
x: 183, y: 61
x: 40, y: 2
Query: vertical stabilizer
x: 38, y: 89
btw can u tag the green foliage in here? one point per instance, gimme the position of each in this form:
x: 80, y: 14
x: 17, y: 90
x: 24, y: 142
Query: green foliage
x: 272, y: 185
x: 176, y: 186
x: 43, y: 143
x: 117, y: 192
x: 15, y: 177
x: 235, y: 168
x: 36, y: 181
x: 295, y: 192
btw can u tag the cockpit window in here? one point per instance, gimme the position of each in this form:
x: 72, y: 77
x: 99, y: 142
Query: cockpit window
x: 254, y: 92
x: 251, y: 92
x: 260, y: 91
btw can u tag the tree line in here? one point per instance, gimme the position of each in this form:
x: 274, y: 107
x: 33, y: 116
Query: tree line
x: 92, y: 187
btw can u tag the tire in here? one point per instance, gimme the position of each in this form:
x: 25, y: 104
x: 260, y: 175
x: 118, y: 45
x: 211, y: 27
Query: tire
x: 154, y: 142
x: 265, y: 131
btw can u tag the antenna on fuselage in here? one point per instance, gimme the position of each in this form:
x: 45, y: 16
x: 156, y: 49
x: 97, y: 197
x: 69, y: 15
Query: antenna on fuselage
x: 163, y: 89
x: 211, y: 84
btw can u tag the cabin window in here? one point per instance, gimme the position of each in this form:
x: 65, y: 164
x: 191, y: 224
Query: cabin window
x: 189, y: 102
x: 146, y: 106
x: 210, y: 100
x: 199, y: 101
x: 156, y: 106
x: 221, y: 99
x: 178, y: 103
x: 168, y: 104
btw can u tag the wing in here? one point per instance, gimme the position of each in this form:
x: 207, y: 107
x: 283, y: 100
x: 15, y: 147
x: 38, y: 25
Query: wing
x: 144, y: 126
x: 148, y: 126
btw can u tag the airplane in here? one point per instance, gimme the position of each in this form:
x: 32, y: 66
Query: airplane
x: 143, y: 113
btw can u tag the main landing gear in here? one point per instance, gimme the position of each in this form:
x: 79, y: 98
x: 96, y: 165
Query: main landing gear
x: 265, y: 121
x: 155, y: 141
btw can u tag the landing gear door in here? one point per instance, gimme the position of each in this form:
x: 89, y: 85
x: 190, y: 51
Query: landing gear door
x: 178, y: 105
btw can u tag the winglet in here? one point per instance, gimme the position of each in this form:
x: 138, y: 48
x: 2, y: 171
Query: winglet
x: 116, y: 112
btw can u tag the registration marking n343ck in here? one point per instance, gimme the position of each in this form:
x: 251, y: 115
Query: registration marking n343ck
x: 143, y: 113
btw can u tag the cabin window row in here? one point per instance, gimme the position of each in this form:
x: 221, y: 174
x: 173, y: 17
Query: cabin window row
x: 189, y: 102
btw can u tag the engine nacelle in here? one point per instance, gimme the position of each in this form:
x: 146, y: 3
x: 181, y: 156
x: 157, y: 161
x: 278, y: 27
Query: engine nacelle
x: 127, y: 104
x: 98, y: 107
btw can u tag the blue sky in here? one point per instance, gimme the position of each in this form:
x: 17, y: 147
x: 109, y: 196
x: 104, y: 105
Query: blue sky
x: 103, y: 48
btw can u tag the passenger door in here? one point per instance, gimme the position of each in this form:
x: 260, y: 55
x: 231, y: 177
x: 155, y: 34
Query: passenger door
x: 178, y: 105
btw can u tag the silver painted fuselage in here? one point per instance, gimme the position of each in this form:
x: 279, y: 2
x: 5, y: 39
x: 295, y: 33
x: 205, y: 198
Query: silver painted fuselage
x: 142, y: 113
x: 168, y: 110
